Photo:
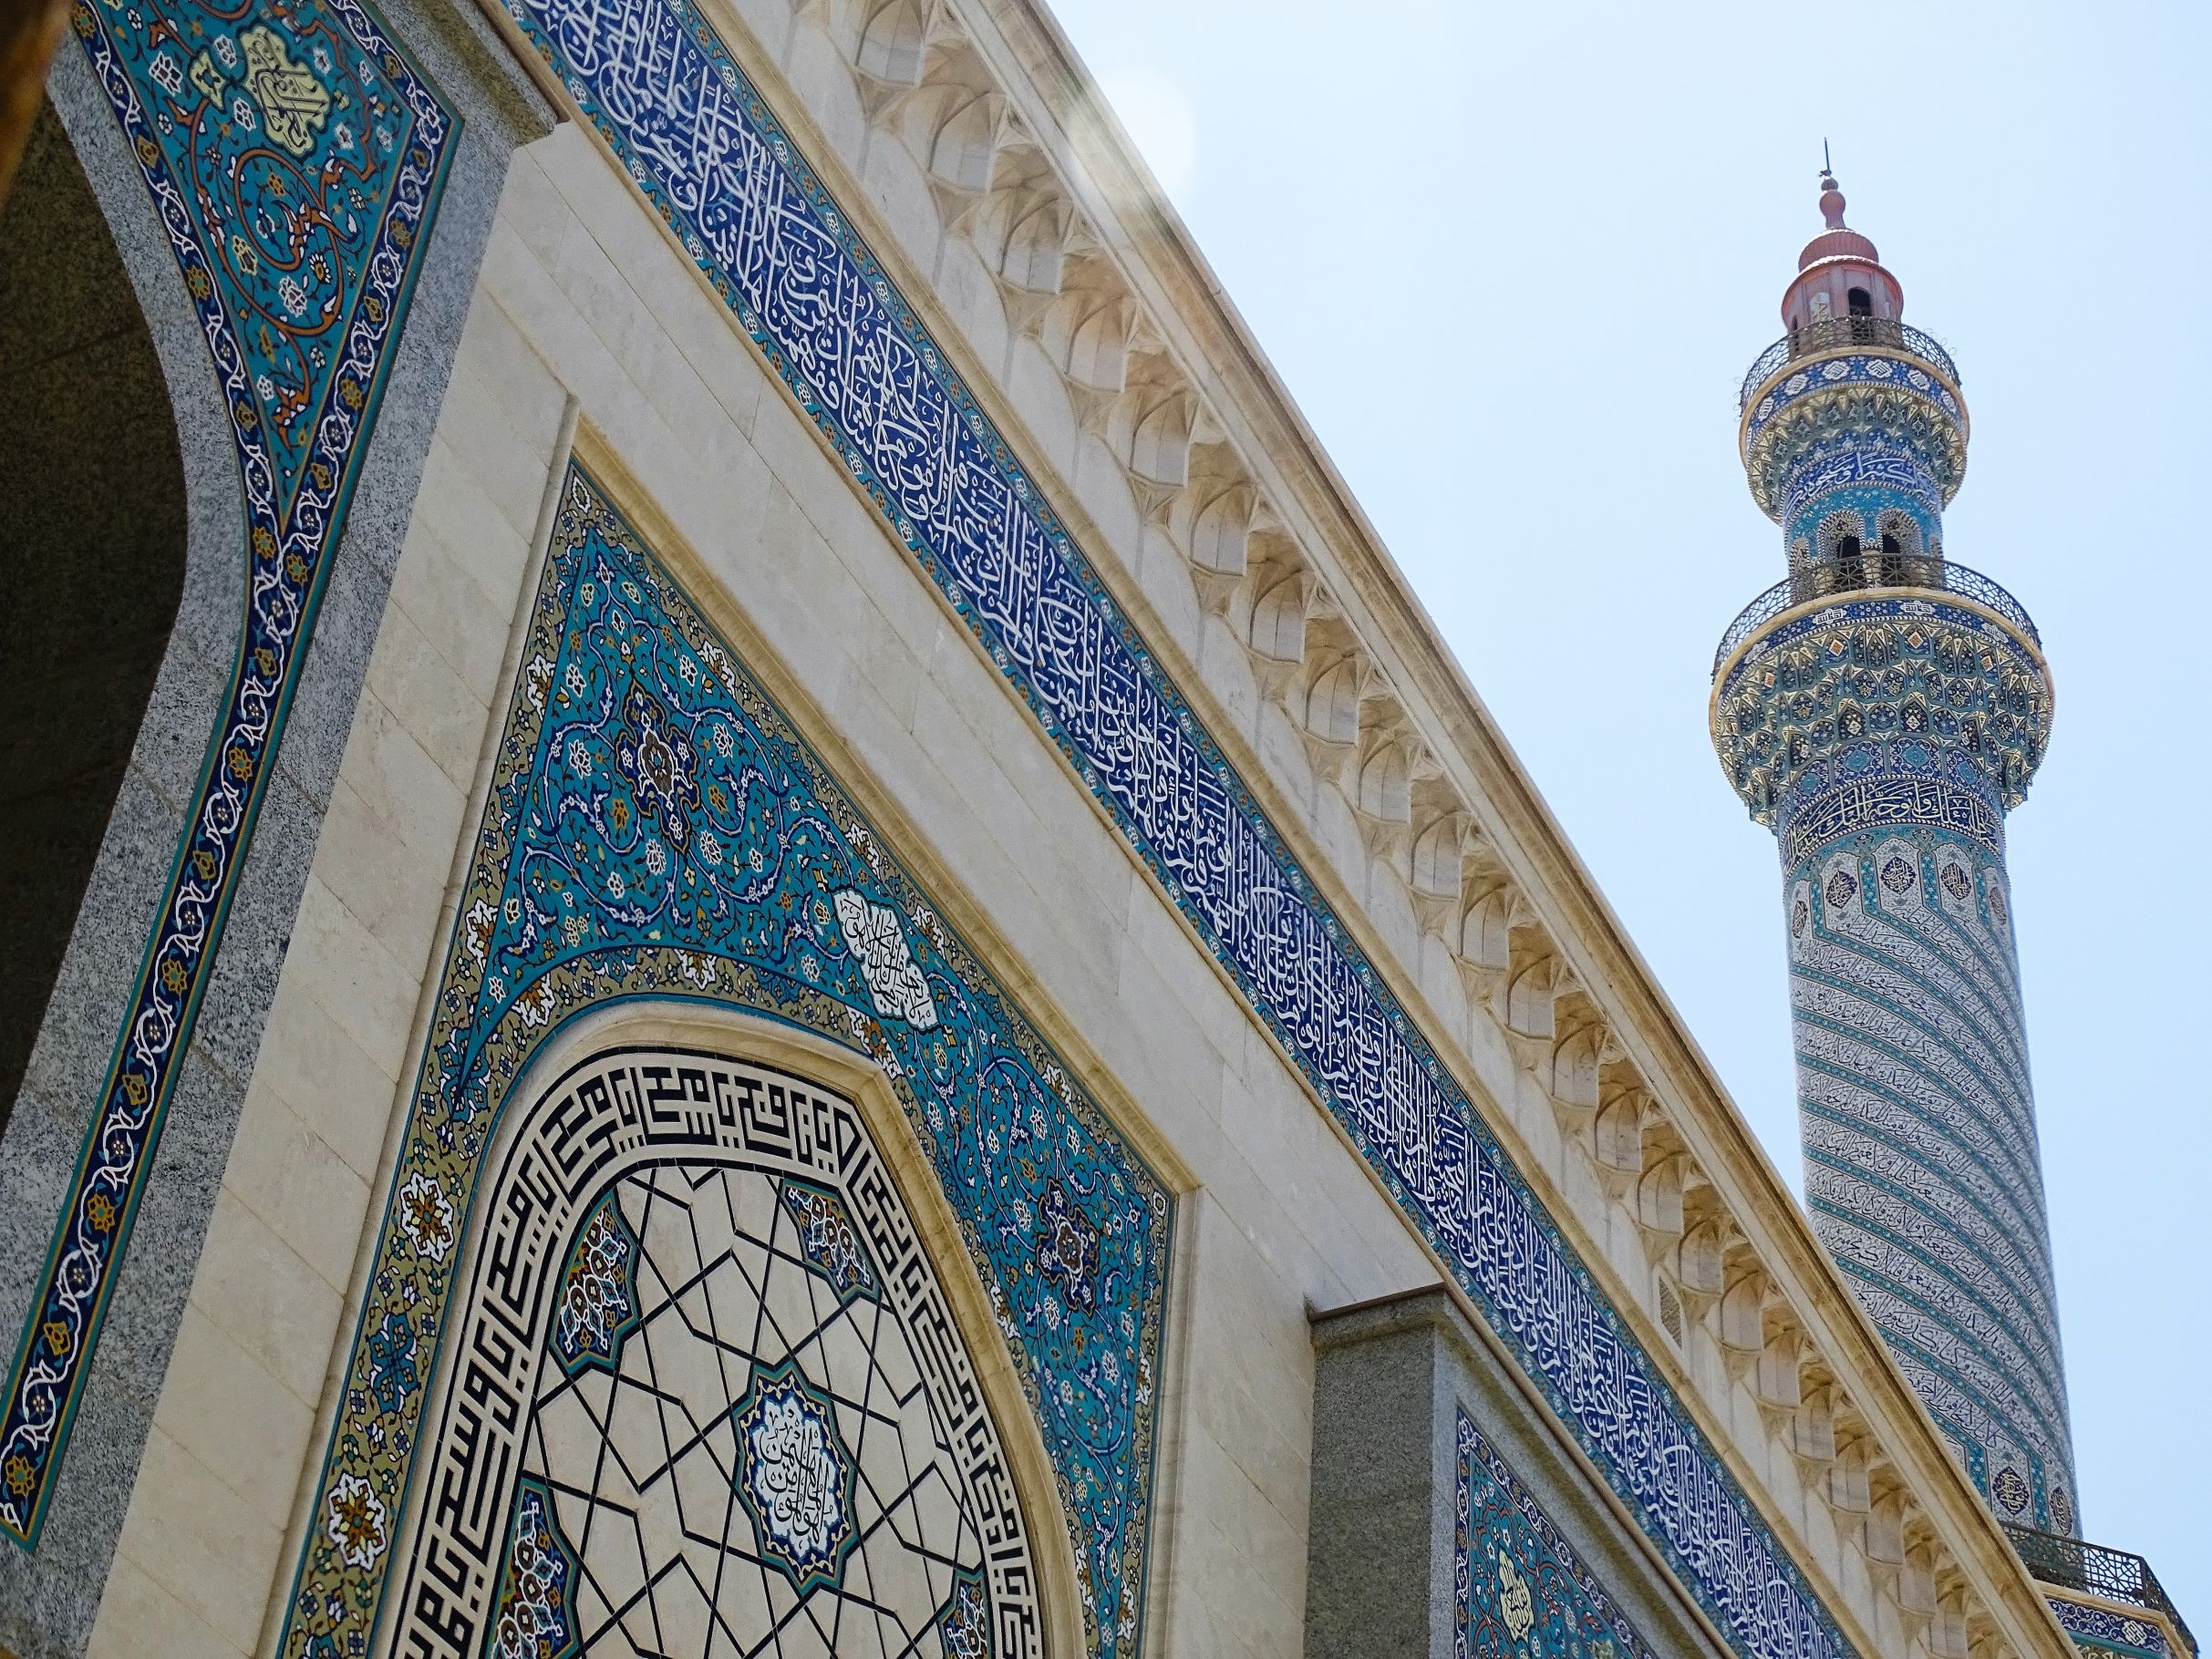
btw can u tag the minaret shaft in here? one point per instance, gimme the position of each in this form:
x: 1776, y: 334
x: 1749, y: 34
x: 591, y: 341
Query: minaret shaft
x: 1882, y: 709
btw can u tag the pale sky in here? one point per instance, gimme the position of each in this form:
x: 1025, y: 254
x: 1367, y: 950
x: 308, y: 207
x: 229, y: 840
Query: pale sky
x: 1512, y: 263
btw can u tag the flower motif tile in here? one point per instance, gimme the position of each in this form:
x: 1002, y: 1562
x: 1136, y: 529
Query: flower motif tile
x: 1518, y: 1587
x: 535, y: 1617
x: 828, y: 1238
x: 598, y: 1291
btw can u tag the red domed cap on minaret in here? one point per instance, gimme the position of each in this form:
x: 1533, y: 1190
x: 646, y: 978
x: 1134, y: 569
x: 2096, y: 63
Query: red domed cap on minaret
x: 1840, y: 272
x: 1838, y: 241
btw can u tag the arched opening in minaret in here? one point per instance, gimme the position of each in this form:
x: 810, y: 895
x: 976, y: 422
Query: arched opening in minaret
x: 1848, y: 570
x: 1861, y: 303
x: 1901, y: 549
x: 1836, y: 542
x: 92, y: 550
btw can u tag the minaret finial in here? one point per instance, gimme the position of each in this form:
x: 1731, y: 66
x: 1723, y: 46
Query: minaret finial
x: 1831, y: 195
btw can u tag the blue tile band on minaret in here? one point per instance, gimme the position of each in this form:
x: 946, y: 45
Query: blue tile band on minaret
x: 1881, y: 709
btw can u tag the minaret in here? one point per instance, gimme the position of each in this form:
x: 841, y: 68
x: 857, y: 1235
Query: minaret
x: 1882, y: 708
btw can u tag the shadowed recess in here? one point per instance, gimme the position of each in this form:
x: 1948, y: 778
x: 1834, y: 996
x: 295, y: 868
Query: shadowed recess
x: 92, y: 525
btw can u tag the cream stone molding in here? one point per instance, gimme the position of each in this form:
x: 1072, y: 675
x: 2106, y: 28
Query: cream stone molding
x: 1530, y: 933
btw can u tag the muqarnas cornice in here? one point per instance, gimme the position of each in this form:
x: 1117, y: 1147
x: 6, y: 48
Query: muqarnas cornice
x: 1849, y: 400
x: 1895, y: 683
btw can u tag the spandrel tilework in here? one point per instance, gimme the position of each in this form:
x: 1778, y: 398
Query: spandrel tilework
x: 655, y: 829
x: 294, y: 156
x: 662, y: 90
x: 1518, y: 1590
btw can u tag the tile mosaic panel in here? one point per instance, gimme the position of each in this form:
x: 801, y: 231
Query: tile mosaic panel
x: 661, y: 88
x: 771, y: 1461
x: 1862, y: 475
x: 1518, y: 1588
x: 2103, y: 1630
x: 657, y: 828
x: 295, y: 155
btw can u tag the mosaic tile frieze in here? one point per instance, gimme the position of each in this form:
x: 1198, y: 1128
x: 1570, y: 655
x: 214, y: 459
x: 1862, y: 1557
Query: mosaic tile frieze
x: 295, y: 155
x: 655, y: 828
x: 766, y: 1465
x: 1909, y: 427
x: 1518, y: 1588
x: 1866, y: 476
x: 1922, y: 1171
x: 663, y: 92
x: 2105, y: 1630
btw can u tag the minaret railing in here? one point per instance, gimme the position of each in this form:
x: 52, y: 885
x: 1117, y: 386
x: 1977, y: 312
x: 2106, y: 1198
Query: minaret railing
x: 2068, y: 1564
x: 1834, y: 333
x: 1827, y: 577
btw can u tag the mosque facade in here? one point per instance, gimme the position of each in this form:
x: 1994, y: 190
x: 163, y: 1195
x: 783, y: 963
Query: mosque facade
x: 750, y: 921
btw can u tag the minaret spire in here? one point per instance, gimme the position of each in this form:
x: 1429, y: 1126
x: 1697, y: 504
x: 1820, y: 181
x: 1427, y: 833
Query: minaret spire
x: 1831, y: 196
x: 1882, y: 708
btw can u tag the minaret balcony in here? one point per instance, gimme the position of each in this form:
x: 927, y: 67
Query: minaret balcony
x: 1842, y: 334
x: 2112, y: 1583
x: 1864, y: 576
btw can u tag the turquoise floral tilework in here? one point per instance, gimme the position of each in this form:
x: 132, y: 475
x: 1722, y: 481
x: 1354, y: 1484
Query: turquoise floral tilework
x: 295, y: 155
x: 1519, y: 1591
x: 656, y: 828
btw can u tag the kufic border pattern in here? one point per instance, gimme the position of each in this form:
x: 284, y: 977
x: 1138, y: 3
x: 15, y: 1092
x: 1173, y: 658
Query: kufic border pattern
x: 622, y: 1111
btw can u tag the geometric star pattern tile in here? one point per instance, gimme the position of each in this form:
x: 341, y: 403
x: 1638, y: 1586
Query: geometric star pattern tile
x: 872, y: 1545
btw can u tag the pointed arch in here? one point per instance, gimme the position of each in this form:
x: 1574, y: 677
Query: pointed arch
x: 637, y: 1104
